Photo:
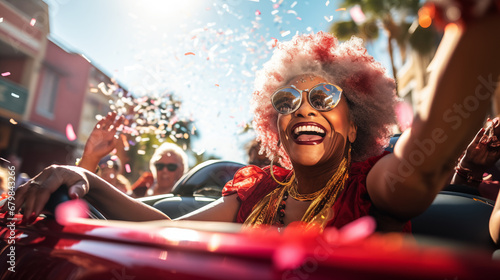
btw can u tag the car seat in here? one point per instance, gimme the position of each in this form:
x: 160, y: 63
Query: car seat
x: 198, y: 187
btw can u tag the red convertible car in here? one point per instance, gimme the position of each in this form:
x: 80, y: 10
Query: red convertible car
x: 450, y: 241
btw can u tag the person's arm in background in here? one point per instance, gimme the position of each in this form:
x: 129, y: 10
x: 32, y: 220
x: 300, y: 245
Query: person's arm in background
x: 482, y: 153
x: 101, y: 142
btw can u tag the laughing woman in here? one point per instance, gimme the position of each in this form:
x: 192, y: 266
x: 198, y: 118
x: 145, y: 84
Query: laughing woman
x: 324, y: 110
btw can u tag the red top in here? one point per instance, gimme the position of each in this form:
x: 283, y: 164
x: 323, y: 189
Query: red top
x: 252, y: 183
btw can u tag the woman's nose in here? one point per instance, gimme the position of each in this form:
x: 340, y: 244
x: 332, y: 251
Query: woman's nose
x: 305, y: 108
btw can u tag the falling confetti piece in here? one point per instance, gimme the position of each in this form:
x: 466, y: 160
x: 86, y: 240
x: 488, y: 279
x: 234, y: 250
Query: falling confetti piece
x: 70, y: 211
x: 216, y: 85
x: 276, y: 6
x: 257, y: 13
x: 5, y: 74
x: 299, y: 18
x: 70, y: 132
x: 293, y: 4
x: 189, y: 53
x: 329, y: 18
x: 285, y: 33
x: 33, y: 21
x: 340, y: 9
x: 274, y: 12
x: 1, y: 19
x: 357, y: 14
x: 255, y: 1
x: 291, y: 12
x: 12, y: 121
x: 127, y: 168
x: 141, y: 152
x: 14, y: 95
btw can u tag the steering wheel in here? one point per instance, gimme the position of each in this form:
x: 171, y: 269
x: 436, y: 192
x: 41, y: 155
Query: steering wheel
x: 61, y: 195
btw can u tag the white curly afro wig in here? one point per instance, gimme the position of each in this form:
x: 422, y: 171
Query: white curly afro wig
x: 370, y: 93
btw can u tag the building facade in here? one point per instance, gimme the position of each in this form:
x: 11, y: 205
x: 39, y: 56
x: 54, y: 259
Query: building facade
x: 48, y: 100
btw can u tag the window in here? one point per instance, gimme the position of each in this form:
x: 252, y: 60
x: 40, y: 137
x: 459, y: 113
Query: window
x: 48, y: 94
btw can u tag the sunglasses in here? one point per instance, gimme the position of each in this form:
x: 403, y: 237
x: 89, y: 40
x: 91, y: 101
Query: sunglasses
x: 322, y: 97
x: 169, y: 166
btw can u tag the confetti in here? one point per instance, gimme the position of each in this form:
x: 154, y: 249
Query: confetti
x: 340, y: 9
x: 293, y: 4
x: 327, y: 2
x: 276, y: 6
x: 257, y: 13
x: 1, y: 19
x: 127, y: 168
x: 71, y: 211
x: 189, y: 53
x: 291, y: 12
x: 299, y: 18
x: 274, y: 12
x: 70, y: 132
x: 285, y: 33
x: 33, y: 21
x: 329, y: 19
x: 357, y: 14
x: 255, y: 1
x: 14, y: 95
x: 216, y: 85
x: 5, y: 74
x: 12, y: 121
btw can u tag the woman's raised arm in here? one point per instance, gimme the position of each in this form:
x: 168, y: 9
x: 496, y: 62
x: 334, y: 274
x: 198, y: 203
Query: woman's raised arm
x: 459, y: 91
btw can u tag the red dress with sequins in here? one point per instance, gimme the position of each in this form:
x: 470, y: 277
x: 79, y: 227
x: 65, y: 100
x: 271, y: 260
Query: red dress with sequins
x: 252, y: 183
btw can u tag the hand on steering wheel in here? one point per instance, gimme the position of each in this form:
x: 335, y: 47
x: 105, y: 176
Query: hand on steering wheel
x: 34, y: 194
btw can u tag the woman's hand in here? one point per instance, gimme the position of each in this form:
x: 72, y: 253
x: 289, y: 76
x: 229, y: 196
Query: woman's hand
x: 34, y: 194
x: 101, y: 142
x: 484, y: 150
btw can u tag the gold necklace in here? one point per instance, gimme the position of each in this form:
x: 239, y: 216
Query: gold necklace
x: 319, y: 211
x: 302, y: 197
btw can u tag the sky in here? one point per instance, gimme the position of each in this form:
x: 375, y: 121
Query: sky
x: 205, y: 52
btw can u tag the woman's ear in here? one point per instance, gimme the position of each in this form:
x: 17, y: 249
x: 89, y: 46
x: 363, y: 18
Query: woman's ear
x: 353, y: 132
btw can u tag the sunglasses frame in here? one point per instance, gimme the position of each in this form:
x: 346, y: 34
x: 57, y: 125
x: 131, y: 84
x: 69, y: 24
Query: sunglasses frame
x: 308, y: 97
x: 166, y: 165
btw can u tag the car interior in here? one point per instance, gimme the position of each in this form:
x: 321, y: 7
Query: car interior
x: 458, y: 217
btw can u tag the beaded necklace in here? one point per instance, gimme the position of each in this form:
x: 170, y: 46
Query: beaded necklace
x: 271, y: 209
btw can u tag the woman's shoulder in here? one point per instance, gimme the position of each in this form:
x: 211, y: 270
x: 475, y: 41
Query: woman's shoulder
x: 362, y: 167
x: 247, y: 178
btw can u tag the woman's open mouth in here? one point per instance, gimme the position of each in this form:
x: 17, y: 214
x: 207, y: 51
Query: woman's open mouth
x: 308, y: 133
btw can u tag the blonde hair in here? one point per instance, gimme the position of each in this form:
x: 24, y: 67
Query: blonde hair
x: 164, y: 149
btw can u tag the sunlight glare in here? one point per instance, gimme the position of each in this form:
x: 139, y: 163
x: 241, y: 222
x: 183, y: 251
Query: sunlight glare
x: 161, y: 12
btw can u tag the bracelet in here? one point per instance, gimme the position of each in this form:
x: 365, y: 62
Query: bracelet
x: 467, y: 174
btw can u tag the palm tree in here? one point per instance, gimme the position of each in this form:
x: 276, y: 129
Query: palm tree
x: 392, y: 15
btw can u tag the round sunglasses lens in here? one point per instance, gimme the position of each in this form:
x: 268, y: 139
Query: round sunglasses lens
x: 324, y: 97
x: 286, y: 100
